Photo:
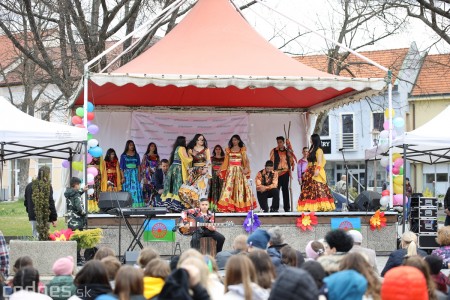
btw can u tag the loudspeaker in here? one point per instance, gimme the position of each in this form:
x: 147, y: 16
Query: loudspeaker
x: 368, y: 201
x: 427, y: 241
x: 131, y: 257
x: 108, y: 200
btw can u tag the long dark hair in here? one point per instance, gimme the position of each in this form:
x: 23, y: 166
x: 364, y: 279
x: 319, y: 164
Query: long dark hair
x: 127, y: 145
x: 230, y: 142
x: 221, y: 151
x: 148, y: 149
x: 316, y: 144
x: 193, y: 142
x: 179, y: 142
x: 108, y: 154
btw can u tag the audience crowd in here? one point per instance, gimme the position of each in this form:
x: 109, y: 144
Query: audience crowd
x: 262, y: 265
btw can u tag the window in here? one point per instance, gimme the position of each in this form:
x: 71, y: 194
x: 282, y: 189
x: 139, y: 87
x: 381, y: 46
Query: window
x: 429, y: 178
x: 348, y: 138
x: 325, y: 127
x: 441, y: 177
x: 45, y: 162
x: 377, y: 121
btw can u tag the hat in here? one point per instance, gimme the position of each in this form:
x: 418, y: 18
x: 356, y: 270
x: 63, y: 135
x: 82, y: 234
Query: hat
x: 310, y: 253
x: 356, y: 235
x: 404, y: 282
x: 259, y: 239
x: 346, y: 285
x: 63, y: 266
x: 290, y: 282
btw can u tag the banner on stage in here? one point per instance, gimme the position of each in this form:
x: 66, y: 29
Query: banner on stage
x: 346, y: 223
x: 159, y: 231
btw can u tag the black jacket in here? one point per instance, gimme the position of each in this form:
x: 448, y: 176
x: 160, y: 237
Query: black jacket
x: 396, y: 259
x: 158, y: 179
x: 177, y: 287
x: 29, y: 204
x: 447, y: 199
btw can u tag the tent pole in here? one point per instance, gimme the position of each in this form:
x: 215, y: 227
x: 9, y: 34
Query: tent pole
x: 391, y: 183
x: 366, y: 174
x: 405, y: 212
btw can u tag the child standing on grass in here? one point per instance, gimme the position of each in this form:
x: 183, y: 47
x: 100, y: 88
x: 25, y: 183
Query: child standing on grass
x: 75, y: 212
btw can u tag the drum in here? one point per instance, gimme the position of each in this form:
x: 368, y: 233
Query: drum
x: 189, y: 196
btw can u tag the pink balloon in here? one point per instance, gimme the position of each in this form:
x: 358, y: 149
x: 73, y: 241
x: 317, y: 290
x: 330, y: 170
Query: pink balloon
x: 398, y: 199
x: 386, y: 125
x: 395, y: 170
x: 89, y: 158
x: 93, y: 171
x: 398, y: 162
x: 76, y: 120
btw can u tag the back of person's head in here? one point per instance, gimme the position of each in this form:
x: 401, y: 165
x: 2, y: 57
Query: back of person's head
x: 74, y: 181
x: 294, y: 284
x: 112, y: 266
x: 258, y: 239
x: 443, y: 237
x: 419, y: 263
x: 63, y: 266
x: 22, y: 262
x: 339, y: 240
x: 157, y: 268
x: 200, y: 265
x: 265, y: 270
x: 434, y: 263
x: 346, y: 285
x: 44, y: 173
x: 26, y: 278
x: 240, y: 242
x: 316, y: 270
x: 93, y: 272
x: 356, y: 236
x: 409, y: 242
x: 314, y: 249
x: 288, y: 256
x: 129, y: 281
x: 191, y: 252
x: 240, y: 270
x: 103, y: 252
x: 404, y: 283
x: 146, y: 255
x: 276, y: 236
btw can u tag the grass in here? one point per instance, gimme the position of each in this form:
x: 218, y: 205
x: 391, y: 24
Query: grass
x: 14, y: 219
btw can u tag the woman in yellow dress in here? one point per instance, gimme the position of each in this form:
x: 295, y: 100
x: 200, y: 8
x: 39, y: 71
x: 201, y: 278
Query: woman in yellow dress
x: 236, y: 194
x: 315, y: 195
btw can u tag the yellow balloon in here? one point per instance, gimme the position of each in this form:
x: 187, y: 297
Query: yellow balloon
x: 77, y: 165
x: 398, y: 180
x: 395, y: 156
x: 398, y: 188
x: 386, y: 113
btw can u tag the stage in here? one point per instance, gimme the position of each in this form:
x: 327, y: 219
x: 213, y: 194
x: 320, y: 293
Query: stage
x: 383, y: 241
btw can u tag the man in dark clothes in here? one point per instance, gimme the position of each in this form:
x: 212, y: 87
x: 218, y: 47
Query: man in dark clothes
x: 44, y: 176
x: 276, y: 242
x: 447, y: 207
x: 158, y: 180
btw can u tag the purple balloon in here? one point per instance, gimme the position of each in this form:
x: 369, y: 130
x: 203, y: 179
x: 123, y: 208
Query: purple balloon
x: 93, y: 129
x: 65, y: 164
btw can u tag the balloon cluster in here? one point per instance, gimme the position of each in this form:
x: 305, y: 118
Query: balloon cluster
x: 397, y: 161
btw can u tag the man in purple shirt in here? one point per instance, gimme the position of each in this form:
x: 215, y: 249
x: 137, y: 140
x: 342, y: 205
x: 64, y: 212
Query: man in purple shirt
x: 302, y: 165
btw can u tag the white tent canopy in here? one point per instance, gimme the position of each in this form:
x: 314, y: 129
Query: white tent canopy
x: 22, y: 135
x: 430, y: 143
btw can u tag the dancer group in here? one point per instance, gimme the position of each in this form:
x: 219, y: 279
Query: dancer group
x: 193, y: 173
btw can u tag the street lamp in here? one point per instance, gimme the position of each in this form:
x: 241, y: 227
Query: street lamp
x: 375, y: 138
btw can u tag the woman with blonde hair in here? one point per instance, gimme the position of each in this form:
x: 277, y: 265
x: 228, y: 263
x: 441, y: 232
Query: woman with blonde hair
x: 356, y: 261
x: 409, y: 248
x: 240, y: 280
x: 443, y: 239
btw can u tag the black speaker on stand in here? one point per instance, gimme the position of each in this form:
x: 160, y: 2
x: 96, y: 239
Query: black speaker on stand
x: 368, y: 201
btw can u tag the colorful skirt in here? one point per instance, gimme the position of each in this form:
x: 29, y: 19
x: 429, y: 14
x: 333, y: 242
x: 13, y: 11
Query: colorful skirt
x: 172, y: 185
x: 214, y: 191
x: 315, y: 196
x: 236, y: 194
x: 133, y: 186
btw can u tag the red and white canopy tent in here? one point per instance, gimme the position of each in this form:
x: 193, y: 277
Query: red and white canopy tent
x: 214, y: 58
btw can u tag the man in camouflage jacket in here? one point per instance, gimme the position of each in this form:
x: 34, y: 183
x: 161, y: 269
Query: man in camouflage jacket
x: 75, y: 212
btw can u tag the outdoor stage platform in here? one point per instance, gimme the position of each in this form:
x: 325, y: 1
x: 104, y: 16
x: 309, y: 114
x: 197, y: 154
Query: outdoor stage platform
x: 383, y: 241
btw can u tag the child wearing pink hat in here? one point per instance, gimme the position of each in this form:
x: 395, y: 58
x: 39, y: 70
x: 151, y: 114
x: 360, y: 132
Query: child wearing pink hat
x: 61, y: 286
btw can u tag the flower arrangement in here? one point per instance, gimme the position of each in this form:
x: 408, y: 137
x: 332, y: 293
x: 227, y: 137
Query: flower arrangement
x: 87, y: 239
x: 61, y: 235
x: 251, y: 222
x: 377, y: 221
x: 307, y: 221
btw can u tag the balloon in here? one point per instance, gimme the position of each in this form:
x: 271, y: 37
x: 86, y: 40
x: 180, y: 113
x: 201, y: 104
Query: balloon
x: 90, y: 116
x: 76, y: 120
x: 398, y: 180
x: 80, y: 112
x: 89, y: 136
x: 395, y: 156
x: 386, y: 125
x: 90, y: 107
x: 384, y: 148
x: 398, y: 188
x: 384, y: 201
x: 383, y: 142
x: 92, y: 143
x: 96, y: 151
x: 384, y: 161
x: 398, y: 122
x: 384, y: 134
x: 77, y: 165
x: 93, y: 129
x: 398, y: 162
x: 90, y: 192
x: 386, y: 113
x: 398, y: 199
x: 395, y: 170
x: 93, y: 171
x: 388, y: 169
x: 89, y: 158
x: 90, y: 178
x: 65, y: 164
x: 385, y: 193
x: 400, y: 171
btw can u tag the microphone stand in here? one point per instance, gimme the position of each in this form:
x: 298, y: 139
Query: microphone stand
x: 251, y: 205
x: 346, y: 177
x: 121, y: 216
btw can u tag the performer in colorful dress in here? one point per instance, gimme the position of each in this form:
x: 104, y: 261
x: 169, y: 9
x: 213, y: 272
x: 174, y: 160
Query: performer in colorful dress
x: 215, y: 188
x: 236, y: 193
x: 178, y: 172
x: 93, y: 199
x: 149, y: 164
x: 315, y: 194
x: 110, y: 169
x: 129, y: 166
